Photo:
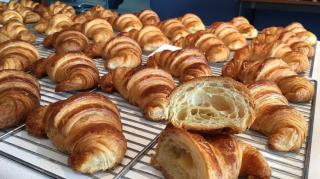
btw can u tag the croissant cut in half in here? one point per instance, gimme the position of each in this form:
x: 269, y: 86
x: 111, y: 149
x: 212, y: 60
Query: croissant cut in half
x: 87, y: 126
x: 182, y: 154
x: 212, y: 104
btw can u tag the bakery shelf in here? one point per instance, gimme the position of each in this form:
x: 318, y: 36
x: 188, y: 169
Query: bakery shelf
x: 41, y: 156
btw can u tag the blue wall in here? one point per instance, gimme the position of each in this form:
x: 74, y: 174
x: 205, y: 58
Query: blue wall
x: 223, y: 10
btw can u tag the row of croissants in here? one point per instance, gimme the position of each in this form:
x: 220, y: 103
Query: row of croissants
x: 204, y: 112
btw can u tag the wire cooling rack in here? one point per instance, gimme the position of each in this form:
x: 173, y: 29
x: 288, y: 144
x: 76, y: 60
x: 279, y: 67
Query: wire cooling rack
x: 41, y: 156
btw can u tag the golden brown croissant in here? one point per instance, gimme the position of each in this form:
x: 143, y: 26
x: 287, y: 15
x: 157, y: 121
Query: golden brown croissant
x: 192, y: 22
x: 10, y: 15
x: 96, y: 12
x: 98, y: 29
x: 19, y: 94
x: 147, y: 87
x: 17, y: 55
x: 286, y: 127
x: 229, y: 34
x: 57, y: 23
x: 186, y: 64
x: 302, y: 33
x: 120, y: 51
x: 244, y: 27
x: 29, y: 4
x: 87, y: 126
x: 72, y: 71
x: 212, y: 104
x: 67, y: 41
x: 127, y: 22
x: 173, y: 29
x: 60, y: 8
x: 28, y: 15
x: 213, y: 48
x: 149, y: 17
x: 149, y: 38
x: 15, y: 30
x: 182, y: 154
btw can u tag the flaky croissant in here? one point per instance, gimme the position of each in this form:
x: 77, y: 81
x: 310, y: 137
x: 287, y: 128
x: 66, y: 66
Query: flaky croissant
x: 286, y: 127
x: 173, y: 29
x: 57, y: 8
x: 149, y: 17
x: 17, y: 55
x: 10, y: 15
x: 15, y: 30
x: 211, y: 104
x: 213, y: 48
x: 244, y: 27
x: 302, y: 33
x: 19, y: 94
x: 192, y: 22
x: 55, y: 24
x: 72, y: 71
x: 186, y: 64
x: 96, y: 12
x: 87, y: 126
x: 67, y: 41
x: 98, y: 29
x: 29, y: 4
x: 149, y: 38
x: 146, y: 87
x: 182, y: 154
x: 229, y: 34
x: 127, y: 22
x: 28, y: 15
x: 120, y: 51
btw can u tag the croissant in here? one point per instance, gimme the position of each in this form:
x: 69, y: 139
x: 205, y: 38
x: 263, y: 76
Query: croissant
x: 244, y: 27
x: 173, y: 29
x: 192, y: 22
x: 302, y: 33
x: 120, y: 51
x: 96, y: 12
x: 59, y: 8
x: 127, y: 22
x: 182, y: 154
x: 213, y: 48
x: 211, y: 104
x: 67, y: 41
x: 72, y: 71
x: 28, y: 15
x: 147, y: 87
x: 149, y: 38
x: 149, y: 17
x: 286, y: 127
x: 14, y: 30
x: 19, y: 94
x: 99, y: 30
x: 17, y: 55
x: 185, y: 64
x: 29, y: 4
x: 10, y: 15
x: 87, y: 126
x: 229, y: 35
x: 57, y: 23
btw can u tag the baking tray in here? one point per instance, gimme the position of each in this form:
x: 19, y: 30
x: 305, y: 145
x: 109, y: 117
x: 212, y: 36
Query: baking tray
x: 41, y: 156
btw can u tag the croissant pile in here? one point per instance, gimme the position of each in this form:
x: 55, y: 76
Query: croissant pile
x: 192, y: 22
x: 286, y: 127
x: 87, y: 126
x: 213, y: 48
x: 15, y: 30
x: 148, y: 17
x: 183, y: 154
x: 19, y: 95
x: 99, y: 30
x: 120, y: 51
x: 127, y: 22
x: 71, y: 71
x: 67, y: 41
x: 173, y: 29
x: 229, y: 34
x: 186, y: 64
x: 244, y: 27
x: 149, y: 37
x: 96, y: 12
x: 147, y: 87
x: 17, y: 55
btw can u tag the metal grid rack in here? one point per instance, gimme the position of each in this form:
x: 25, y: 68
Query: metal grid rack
x: 41, y: 156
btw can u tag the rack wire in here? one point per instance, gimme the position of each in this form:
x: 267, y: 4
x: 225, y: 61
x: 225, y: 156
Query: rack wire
x: 41, y: 156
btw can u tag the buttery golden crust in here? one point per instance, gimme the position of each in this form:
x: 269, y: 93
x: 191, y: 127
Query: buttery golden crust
x: 192, y: 22
x: 212, y: 104
x: 9, y: 15
x: 35, y: 122
x: 244, y: 27
x: 127, y: 22
x: 19, y: 94
x: 173, y: 29
x: 98, y: 29
x: 149, y: 17
x: 15, y: 30
x: 182, y: 154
